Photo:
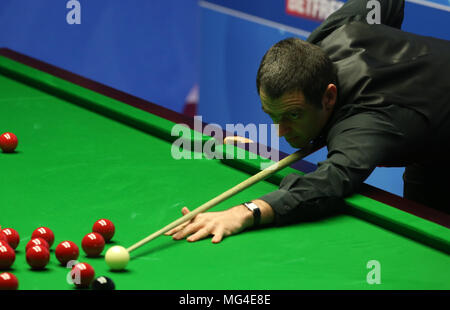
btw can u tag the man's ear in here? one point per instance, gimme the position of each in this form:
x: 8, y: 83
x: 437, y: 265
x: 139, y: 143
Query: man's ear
x: 329, y: 97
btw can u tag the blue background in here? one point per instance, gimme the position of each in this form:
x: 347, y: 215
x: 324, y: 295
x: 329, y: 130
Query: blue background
x: 145, y: 48
x: 159, y: 49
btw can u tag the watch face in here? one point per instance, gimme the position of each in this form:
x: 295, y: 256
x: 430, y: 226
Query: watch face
x: 251, y: 206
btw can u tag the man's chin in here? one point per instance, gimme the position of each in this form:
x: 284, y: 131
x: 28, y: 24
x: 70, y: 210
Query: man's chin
x: 296, y: 144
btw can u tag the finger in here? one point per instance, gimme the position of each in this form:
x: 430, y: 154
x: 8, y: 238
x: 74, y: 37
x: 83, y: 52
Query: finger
x: 188, y: 230
x: 218, y: 236
x: 177, y: 229
x: 184, y: 211
x: 202, y: 233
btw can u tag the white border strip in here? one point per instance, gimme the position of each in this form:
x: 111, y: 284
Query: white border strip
x: 433, y: 5
x: 253, y: 18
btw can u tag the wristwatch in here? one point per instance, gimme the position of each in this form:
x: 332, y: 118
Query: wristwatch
x: 256, y: 212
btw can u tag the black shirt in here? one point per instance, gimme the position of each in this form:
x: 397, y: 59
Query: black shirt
x: 393, y: 108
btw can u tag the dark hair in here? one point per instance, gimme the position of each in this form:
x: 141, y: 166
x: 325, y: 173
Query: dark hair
x: 296, y: 65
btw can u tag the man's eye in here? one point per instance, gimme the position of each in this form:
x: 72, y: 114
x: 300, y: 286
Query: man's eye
x: 294, y: 115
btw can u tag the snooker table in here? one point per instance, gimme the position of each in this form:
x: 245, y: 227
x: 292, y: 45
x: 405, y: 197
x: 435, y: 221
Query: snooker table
x: 87, y: 151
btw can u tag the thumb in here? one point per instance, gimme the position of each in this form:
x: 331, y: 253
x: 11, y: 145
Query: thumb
x: 185, y: 211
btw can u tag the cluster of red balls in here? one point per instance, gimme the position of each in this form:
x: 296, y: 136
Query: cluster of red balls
x: 38, y: 252
x: 9, y: 240
x: 7, y: 258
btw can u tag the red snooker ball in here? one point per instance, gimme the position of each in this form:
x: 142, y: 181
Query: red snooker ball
x: 66, y: 251
x: 105, y: 228
x: 7, y: 256
x: 12, y: 237
x: 3, y: 240
x: 2, y: 236
x: 44, y: 233
x: 8, y: 281
x: 93, y: 244
x: 82, y: 275
x: 38, y: 257
x: 8, y: 142
x: 37, y: 241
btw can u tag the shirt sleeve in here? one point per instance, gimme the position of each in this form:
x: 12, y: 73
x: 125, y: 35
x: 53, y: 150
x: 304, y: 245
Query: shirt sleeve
x: 356, y: 146
x: 391, y: 14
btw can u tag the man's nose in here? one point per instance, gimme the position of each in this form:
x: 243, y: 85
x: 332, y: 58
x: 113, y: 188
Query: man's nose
x: 283, y: 130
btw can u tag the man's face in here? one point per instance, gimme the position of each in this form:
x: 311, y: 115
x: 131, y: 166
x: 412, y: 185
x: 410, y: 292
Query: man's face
x: 298, y: 121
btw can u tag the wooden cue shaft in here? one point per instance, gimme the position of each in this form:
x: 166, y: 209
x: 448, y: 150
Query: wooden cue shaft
x: 232, y: 191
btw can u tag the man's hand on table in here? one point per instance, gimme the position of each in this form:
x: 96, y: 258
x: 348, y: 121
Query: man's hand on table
x: 220, y: 224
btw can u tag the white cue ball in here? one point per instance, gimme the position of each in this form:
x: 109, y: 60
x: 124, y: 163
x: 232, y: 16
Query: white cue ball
x: 117, y: 258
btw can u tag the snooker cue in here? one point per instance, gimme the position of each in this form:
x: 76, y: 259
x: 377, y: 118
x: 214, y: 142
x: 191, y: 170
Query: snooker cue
x: 232, y: 191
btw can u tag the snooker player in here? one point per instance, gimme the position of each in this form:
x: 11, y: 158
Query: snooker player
x: 373, y: 94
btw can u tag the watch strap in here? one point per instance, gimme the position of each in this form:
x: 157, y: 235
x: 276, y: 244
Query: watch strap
x: 256, y: 212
